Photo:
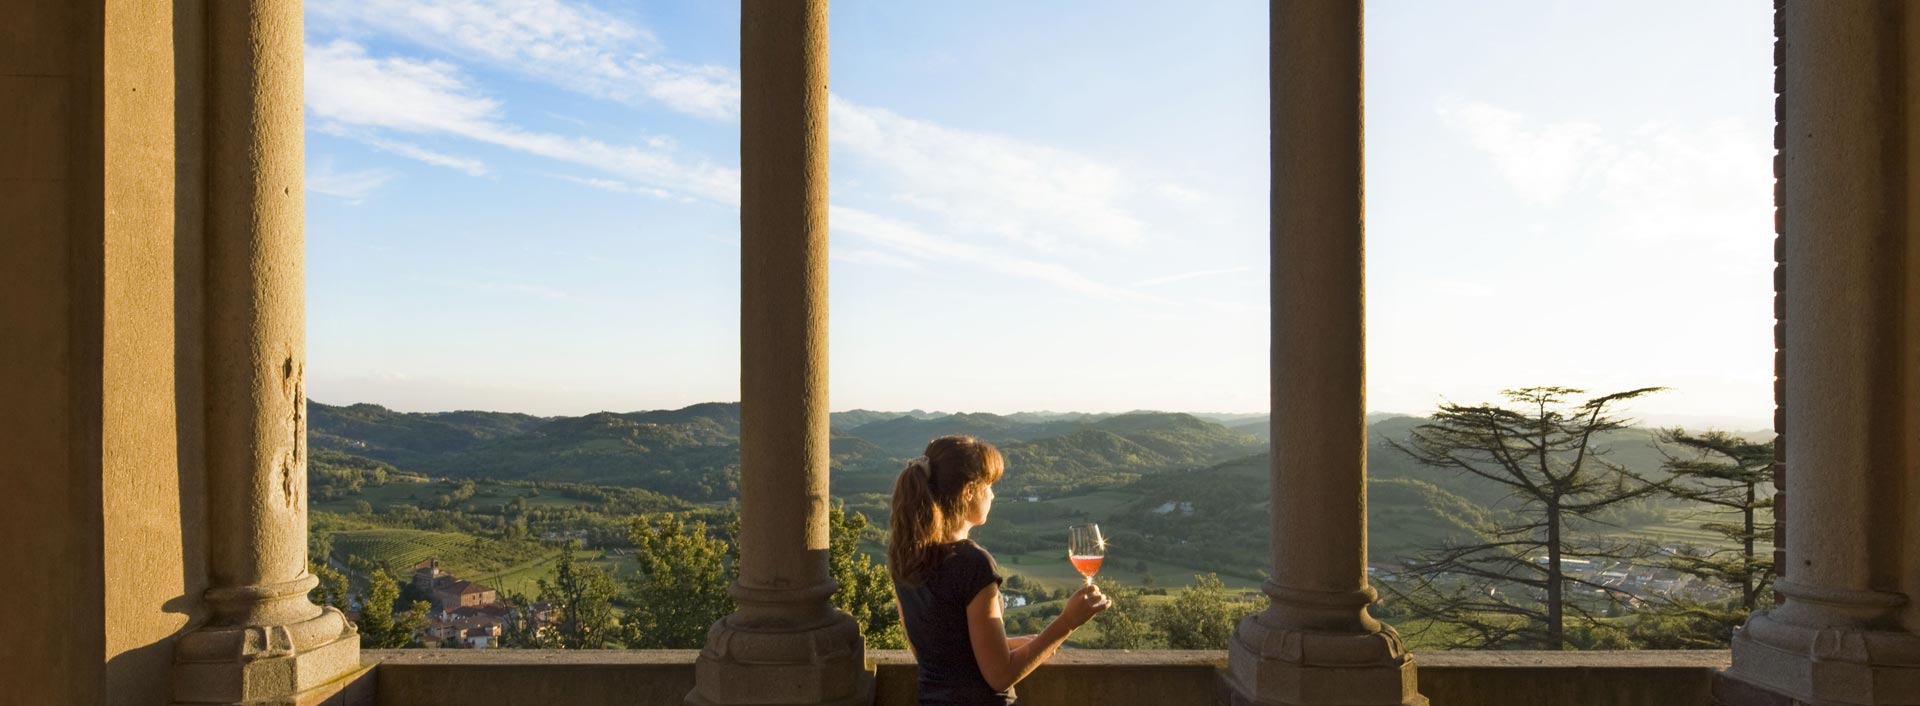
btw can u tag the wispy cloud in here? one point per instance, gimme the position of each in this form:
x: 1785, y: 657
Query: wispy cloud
x: 1030, y: 194
x: 908, y: 241
x: 1170, y: 279
x: 1660, y: 181
x: 352, y: 186
x: 347, y: 85
x: 1542, y: 162
x: 1020, y: 201
x: 572, y: 45
x: 471, y: 166
x: 616, y: 186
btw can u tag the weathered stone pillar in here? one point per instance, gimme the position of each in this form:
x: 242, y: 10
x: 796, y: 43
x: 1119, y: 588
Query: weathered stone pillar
x: 1315, y: 643
x: 786, y: 644
x: 1846, y: 632
x: 266, y: 643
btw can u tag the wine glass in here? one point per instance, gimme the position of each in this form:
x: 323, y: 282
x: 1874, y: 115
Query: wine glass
x: 1086, y: 549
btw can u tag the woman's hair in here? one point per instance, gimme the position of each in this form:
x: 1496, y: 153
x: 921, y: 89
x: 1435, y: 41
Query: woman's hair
x: 930, y: 498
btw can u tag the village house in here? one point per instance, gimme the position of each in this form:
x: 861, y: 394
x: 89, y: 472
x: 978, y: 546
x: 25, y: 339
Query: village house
x: 447, y: 592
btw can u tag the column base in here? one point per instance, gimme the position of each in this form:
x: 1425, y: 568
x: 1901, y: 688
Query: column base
x: 1827, y: 666
x: 260, y: 665
x: 1272, y: 666
x: 772, y: 665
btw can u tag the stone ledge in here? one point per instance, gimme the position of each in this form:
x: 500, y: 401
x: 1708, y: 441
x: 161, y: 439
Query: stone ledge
x: 1111, y: 678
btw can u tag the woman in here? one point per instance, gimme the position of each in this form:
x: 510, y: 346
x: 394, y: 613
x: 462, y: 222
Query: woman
x: 949, y: 587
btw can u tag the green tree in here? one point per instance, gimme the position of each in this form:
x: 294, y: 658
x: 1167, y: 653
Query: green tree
x: 682, y: 586
x: 1128, y: 625
x: 381, y: 626
x: 1201, y: 617
x: 332, y: 589
x: 583, y: 595
x: 1730, y: 476
x: 1512, y: 589
x: 865, y: 589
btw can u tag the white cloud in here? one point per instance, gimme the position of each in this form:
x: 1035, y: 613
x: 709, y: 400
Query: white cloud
x: 346, y: 85
x: 908, y: 241
x: 352, y: 187
x: 571, y: 45
x: 616, y: 186
x: 473, y: 167
x: 1169, y: 279
x: 1542, y: 162
x: 977, y: 187
x: 1029, y: 194
x: 1707, y: 184
x: 1710, y: 184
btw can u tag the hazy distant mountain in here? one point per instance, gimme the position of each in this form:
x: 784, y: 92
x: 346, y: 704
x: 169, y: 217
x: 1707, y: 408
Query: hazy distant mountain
x: 1220, y: 515
x: 841, y: 421
x: 907, y: 436
x: 694, y: 452
x: 407, y: 439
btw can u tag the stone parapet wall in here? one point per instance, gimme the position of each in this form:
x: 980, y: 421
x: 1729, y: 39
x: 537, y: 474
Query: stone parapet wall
x: 1107, y: 678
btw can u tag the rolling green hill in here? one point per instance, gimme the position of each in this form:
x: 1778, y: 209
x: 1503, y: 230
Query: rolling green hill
x: 693, y: 452
x: 407, y: 439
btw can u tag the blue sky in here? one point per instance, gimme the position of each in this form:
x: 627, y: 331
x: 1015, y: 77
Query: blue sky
x: 532, y: 206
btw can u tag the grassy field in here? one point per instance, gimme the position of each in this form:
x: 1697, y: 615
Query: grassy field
x: 460, y: 554
x: 425, y: 495
x: 517, y: 567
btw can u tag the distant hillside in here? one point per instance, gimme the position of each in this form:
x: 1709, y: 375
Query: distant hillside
x: 1057, y: 453
x: 407, y: 439
x: 842, y: 421
x: 1220, y: 514
x: 693, y: 452
x: 907, y: 436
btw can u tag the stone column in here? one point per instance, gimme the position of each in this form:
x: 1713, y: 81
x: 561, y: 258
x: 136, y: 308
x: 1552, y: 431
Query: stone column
x: 786, y: 644
x: 1315, y: 643
x: 1845, y: 633
x: 266, y: 643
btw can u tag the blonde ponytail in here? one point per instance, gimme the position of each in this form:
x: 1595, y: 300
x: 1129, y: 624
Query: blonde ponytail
x: 928, y: 500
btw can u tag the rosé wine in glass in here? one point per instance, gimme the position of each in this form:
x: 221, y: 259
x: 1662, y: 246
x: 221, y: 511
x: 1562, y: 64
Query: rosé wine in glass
x: 1086, y: 548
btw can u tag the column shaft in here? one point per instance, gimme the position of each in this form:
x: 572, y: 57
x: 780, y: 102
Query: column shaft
x: 256, y: 322
x: 786, y: 644
x: 1315, y: 643
x: 1846, y: 374
x: 783, y: 296
x: 1318, y: 309
x: 266, y: 642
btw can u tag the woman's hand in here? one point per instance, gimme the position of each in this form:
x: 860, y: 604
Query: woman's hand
x: 1083, y: 605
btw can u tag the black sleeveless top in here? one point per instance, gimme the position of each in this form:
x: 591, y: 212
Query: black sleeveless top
x: 935, y: 608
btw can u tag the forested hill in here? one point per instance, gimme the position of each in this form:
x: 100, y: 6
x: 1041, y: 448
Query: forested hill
x: 408, y: 439
x: 693, y: 452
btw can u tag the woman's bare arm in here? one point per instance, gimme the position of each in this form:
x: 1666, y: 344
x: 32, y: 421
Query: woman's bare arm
x: 1003, y: 664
